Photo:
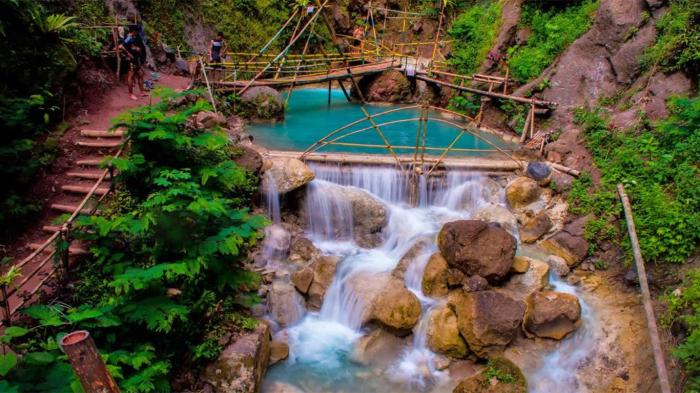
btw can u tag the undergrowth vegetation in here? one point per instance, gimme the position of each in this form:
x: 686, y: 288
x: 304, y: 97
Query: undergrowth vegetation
x: 677, y: 45
x: 658, y: 164
x: 684, y: 315
x: 473, y: 33
x: 552, y: 26
x: 165, y: 282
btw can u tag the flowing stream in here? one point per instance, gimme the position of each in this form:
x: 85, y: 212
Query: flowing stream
x: 322, y: 343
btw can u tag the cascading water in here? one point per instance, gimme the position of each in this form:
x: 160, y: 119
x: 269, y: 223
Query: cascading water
x: 322, y: 343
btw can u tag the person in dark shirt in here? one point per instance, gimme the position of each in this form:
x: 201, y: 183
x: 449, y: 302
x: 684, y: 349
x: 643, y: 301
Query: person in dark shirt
x: 134, y: 50
x: 217, y: 48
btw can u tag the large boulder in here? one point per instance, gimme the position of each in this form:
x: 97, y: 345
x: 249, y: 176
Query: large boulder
x: 369, y: 217
x: 520, y: 286
x: 396, y: 308
x: 242, y: 364
x: 303, y: 249
x: 443, y: 333
x: 302, y: 279
x: 262, y: 102
x: 552, y: 314
x: 500, y: 215
x: 324, y: 273
x: 488, y: 320
x: 409, y: 258
x: 477, y: 248
x: 569, y: 243
x: 285, y: 304
x: 539, y: 171
x: 535, y: 227
x: 500, y: 376
x: 285, y: 175
x: 434, y: 281
x: 207, y: 119
x: 390, y: 86
x: 522, y: 191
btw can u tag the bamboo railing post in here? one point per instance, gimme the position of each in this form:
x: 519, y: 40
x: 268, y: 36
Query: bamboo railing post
x: 206, y: 79
x: 87, y: 363
x: 7, y: 313
x: 646, y: 296
x: 65, y: 253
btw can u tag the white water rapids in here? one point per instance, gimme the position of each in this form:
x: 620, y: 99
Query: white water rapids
x: 322, y: 343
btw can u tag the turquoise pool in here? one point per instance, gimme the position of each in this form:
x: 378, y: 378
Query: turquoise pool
x: 309, y: 118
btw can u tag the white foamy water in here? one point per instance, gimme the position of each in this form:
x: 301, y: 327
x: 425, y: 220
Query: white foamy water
x: 322, y: 343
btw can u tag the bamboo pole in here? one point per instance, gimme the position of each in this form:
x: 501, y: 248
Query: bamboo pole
x: 206, y: 79
x: 87, y: 363
x: 646, y: 296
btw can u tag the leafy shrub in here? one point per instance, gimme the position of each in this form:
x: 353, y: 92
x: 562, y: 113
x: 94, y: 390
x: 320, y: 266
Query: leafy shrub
x: 166, y: 280
x: 659, y: 166
x: 553, y: 28
x: 677, y: 44
x: 684, y: 310
x: 473, y: 33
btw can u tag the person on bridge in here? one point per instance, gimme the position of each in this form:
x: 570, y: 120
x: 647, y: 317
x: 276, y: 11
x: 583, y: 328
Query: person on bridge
x: 217, y: 49
x: 359, y: 34
x: 134, y: 49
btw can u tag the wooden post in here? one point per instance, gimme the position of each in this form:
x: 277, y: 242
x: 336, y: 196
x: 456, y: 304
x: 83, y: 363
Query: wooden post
x: 87, y: 363
x: 206, y: 79
x: 526, y: 127
x: 646, y: 297
x: 65, y: 253
x: 345, y: 92
x: 505, y: 81
x: 7, y: 312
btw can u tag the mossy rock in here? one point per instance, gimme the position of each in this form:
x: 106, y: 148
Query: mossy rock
x: 500, y: 376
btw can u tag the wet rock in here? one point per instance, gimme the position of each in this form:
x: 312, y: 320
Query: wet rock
x: 477, y: 248
x: 500, y: 215
x: 408, y: 258
x: 396, y: 308
x: 488, y: 320
x: 279, y: 350
x: 242, y: 364
x: 369, y: 217
x: 535, y: 227
x: 324, y: 272
x: 376, y: 347
x: 539, y: 171
x: 367, y: 286
x: 455, y: 278
x: 442, y: 362
x: 302, y: 279
x: 511, y: 379
x: 569, y: 243
x: 284, y: 303
x: 443, y: 333
x: 288, y: 174
x: 558, y: 265
x: 561, y: 182
x: 248, y: 158
x: 520, y: 286
x: 480, y: 191
x: 475, y: 283
x: 262, y: 102
x: 302, y: 249
x: 390, y: 86
x: 552, y: 314
x: 520, y: 264
x: 276, y: 240
x: 434, y: 281
x: 522, y: 192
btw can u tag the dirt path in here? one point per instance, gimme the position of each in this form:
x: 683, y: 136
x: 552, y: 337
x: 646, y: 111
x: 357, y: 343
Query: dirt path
x: 70, y: 169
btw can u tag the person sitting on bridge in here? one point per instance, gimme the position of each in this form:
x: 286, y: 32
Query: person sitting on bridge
x: 134, y: 49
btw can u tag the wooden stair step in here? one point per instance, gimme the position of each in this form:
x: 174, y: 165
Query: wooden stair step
x: 92, y: 175
x: 72, y: 250
x: 118, y: 133
x: 51, y: 228
x: 100, y: 143
x: 81, y: 189
x: 94, y: 161
x: 65, y: 208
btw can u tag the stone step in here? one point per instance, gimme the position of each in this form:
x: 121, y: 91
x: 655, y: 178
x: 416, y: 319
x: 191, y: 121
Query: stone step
x: 84, y: 189
x: 72, y: 250
x: 105, y: 144
x: 118, y: 133
x: 68, y: 208
x: 91, y: 175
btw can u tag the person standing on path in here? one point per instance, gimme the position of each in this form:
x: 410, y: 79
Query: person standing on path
x: 134, y: 50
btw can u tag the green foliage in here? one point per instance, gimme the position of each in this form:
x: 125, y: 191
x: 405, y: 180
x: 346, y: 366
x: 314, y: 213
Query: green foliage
x: 658, y: 164
x: 677, y: 44
x: 166, y: 279
x: 502, y: 374
x: 468, y: 104
x: 684, y: 311
x: 552, y: 28
x: 474, y: 32
x: 40, y: 49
